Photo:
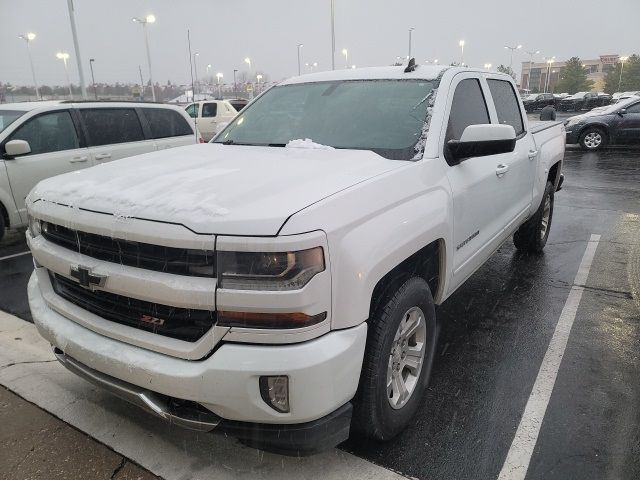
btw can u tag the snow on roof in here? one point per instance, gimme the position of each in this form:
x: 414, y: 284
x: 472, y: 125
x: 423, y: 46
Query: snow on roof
x: 426, y: 72
x: 28, y: 106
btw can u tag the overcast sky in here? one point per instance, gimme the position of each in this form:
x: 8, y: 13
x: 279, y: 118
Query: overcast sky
x: 375, y: 32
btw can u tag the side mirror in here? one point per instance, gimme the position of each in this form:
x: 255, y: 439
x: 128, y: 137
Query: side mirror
x: 480, y: 141
x: 15, y: 148
x: 622, y: 111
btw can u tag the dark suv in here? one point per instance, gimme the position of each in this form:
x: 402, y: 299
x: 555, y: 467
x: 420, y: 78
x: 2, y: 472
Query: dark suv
x: 538, y: 102
x: 617, y: 124
x: 584, y: 101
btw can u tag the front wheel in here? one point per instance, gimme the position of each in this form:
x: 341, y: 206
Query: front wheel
x: 401, y: 343
x: 533, y: 234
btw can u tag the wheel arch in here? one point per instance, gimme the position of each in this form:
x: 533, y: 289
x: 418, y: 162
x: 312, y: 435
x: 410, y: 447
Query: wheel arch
x: 5, y: 216
x: 599, y: 125
x: 427, y: 263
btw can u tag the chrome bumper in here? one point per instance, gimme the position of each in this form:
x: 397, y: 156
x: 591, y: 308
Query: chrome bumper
x: 154, y: 403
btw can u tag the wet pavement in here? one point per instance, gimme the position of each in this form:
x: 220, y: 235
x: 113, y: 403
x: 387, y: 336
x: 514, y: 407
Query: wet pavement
x: 495, y: 332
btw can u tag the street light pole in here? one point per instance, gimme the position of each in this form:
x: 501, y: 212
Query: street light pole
x: 64, y: 56
x: 622, y: 60
x: 28, y: 37
x: 93, y: 79
x: 219, y: 76
x: 549, y: 63
x: 195, y: 67
x: 144, y: 22
x: 345, y: 52
x: 531, y: 54
x: 461, y: 43
x: 300, y: 45
x: 411, y: 29
x: 513, y: 49
x: 248, y: 61
x: 333, y: 36
x: 235, y: 87
x: 76, y: 46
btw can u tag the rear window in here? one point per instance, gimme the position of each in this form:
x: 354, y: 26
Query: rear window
x: 166, y: 123
x: 209, y: 110
x: 107, y: 126
x: 506, y: 102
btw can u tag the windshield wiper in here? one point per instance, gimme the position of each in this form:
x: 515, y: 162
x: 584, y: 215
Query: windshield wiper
x: 233, y: 142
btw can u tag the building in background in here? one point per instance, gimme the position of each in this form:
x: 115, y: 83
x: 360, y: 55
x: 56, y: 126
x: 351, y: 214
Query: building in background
x: 596, y: 71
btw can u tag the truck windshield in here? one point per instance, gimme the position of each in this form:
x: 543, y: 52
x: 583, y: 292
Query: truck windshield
x: 7, y: 117
x: 385, y: 116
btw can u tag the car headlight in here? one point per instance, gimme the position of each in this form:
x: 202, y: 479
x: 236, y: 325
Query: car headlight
x: 273, y: 271
x: 572, y: 121
x: 35, y: 226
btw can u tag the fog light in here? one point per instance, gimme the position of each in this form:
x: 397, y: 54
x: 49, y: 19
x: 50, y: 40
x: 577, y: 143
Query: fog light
x: 275, y: 392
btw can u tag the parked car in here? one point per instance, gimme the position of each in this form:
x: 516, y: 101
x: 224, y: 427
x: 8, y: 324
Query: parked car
x: 211, y: 115
x: 617, y: 124
x: 539, y: 101
x: 259, y: 281
x: 42, y: 139
x: 618, y: 97
x: 584, y: 101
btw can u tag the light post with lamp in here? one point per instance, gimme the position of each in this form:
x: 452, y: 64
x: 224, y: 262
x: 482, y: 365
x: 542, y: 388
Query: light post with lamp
x: 64, y: 56
x: 461, y: 43
x: 218, y: 77
x: 144, y: 22
x: 28, y: 38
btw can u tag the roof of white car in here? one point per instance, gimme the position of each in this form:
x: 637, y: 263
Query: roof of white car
x: 28, y: 106
x: 426, y: 72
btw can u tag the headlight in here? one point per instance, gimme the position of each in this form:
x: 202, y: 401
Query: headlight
x: 572, y: 121
x: 269, y: 270
x: 35, y: 226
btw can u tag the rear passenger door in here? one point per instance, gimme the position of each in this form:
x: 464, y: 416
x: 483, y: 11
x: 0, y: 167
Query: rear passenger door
x: 57, y: 146
x: 208, y: 121
x: 168, y: 128
x: 629, y: 126
x: 114, y: 133
x: 518, y: 181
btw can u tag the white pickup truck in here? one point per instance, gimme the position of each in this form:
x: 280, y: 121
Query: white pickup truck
x: 279, y: 283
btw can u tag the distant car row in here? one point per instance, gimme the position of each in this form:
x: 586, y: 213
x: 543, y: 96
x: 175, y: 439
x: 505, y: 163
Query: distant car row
x: 563, y: 102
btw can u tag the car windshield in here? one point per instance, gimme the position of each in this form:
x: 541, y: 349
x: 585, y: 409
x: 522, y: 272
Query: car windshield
x: 385, y: 116
x: 7, y: 117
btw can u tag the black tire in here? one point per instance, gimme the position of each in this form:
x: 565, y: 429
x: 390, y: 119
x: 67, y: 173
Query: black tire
x: 533, y: 234
x: 592, y: 139
x: 374, y: 415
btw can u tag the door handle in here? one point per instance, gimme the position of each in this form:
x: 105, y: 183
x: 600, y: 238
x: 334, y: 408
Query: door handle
x: 502, y: 169
x: 102, y: 156
x: 533, y: 154
x: 79, y: 159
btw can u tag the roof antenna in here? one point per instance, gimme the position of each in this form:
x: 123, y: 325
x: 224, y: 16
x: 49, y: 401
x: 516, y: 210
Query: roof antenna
x: 411, y: 66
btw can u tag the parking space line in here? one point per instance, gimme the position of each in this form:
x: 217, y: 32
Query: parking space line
x: 14, y: 255
x: 517, y: 462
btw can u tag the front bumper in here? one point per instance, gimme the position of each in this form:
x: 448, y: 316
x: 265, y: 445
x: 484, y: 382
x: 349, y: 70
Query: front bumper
x: 323, y: 373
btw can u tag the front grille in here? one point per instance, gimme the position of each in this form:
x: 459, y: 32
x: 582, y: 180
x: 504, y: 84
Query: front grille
x: 179, y: 261
x: 180, y: 323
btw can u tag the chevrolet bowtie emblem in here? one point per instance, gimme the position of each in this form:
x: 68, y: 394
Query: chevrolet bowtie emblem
x: 87, y: 279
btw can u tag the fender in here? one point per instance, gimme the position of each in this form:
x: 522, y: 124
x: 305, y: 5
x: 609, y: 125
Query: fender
x: 6, y: 199
x: 374, y: 226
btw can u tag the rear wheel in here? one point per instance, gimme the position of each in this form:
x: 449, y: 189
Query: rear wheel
x: 397, y: 364
x: 593, y: 139
x: 533, y: 234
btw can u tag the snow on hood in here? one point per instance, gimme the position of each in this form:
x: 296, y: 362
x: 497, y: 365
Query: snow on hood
x: 215, y: 188
x: 307, y: 143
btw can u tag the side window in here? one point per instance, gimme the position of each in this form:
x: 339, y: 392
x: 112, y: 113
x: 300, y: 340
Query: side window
x: 506, y: 102
x: 635, y: 108
x: 192, y: 110
x: 107, y: 126
x: 166, y: 123
x: 209, y: 110
x: 51, y: 132
x: 468, y: 108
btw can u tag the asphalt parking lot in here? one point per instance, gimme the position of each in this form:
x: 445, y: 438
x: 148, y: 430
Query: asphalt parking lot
x: 495, y: 332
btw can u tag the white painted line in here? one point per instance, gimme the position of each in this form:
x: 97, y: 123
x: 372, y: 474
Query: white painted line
x: 517, y: 462
x: 28, y: 368
x: 14, y: 255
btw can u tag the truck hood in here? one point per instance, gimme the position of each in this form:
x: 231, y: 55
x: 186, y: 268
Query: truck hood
x: 214, y: 188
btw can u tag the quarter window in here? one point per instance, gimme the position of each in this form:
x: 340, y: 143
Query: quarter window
x: 108, y: 126
x: 506, y: 102
x: 192, y: 110
x: 468, y: 108
x: 635, y: 108
x: 50, y: 132
x: 166, y: 123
